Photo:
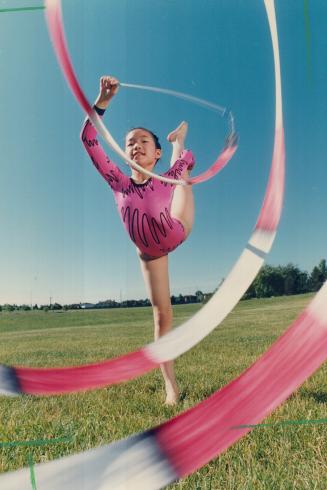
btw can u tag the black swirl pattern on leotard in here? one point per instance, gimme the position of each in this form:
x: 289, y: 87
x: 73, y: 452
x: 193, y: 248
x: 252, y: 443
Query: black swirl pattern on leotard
x: 140, y: 226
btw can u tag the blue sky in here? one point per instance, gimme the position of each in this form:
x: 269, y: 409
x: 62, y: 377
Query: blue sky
x: 61, y: 236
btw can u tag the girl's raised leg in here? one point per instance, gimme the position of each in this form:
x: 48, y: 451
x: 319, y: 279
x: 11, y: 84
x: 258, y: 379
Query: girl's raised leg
x: 156, y: 278
x: 177, y: 138
x: 182, y: 206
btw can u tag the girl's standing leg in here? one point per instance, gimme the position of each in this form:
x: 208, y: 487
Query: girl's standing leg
x: 156, y: 278
x: 155, y: 271
x: 182, y: 206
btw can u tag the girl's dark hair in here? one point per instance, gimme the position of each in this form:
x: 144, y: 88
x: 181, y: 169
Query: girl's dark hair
x: 154, y: 136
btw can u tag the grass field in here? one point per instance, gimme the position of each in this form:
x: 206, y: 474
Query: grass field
x: 279, y: 457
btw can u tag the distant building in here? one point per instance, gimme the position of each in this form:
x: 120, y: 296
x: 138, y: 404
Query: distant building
x: 190, y: 298
x: 87, y: 306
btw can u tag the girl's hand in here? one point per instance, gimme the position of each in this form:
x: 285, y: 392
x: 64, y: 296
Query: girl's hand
x: 109, y: 87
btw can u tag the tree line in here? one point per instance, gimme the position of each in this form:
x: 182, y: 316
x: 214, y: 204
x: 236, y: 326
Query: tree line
x: 286, y: 280
x: 198, y: 297
x: 271, y: 281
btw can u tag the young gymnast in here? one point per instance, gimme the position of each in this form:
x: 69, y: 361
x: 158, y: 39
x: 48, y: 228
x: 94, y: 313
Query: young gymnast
x: 157, y: 216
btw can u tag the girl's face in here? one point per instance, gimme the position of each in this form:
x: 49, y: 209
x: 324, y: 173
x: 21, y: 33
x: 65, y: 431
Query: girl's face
x: 141, y: 148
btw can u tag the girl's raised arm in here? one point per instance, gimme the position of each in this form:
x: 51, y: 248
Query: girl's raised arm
x: 110, y: 172
x: 109, y: 87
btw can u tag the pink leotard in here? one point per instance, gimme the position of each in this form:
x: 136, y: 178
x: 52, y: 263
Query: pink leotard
x: 143, y: 208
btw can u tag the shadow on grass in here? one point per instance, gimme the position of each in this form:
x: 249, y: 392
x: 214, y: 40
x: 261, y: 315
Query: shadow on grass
x: 318, y: 396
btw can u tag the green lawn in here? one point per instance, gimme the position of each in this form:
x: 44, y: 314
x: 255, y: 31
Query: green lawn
x: 280, y: 457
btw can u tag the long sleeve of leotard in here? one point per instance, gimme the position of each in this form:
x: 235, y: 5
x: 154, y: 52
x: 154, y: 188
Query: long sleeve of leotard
x: 185, y: 161
x: 109, y: 171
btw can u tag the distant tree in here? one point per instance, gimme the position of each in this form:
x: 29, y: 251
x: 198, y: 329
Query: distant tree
x: 323, y: 269
x: 315, y: 279
x: 295, y: 281
x: 56, y: 306
x: 277, y: 281
x: 250, y: 293
x: 199, y: 296
x: 108, y: 303
x: 74, y: 306
x: 304, y: 282
x: 24, y: 307
x: 318, y: 276
x: 8, y: 307
x: 269, y: 282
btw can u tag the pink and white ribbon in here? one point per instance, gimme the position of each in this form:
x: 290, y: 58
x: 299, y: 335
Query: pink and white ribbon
x: 47, y: 381
x: 56, y: 31
x: 177, y: 448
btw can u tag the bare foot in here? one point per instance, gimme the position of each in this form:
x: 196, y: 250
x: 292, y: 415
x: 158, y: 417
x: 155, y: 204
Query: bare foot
x: 172, y: 396
x: 179, y: 134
